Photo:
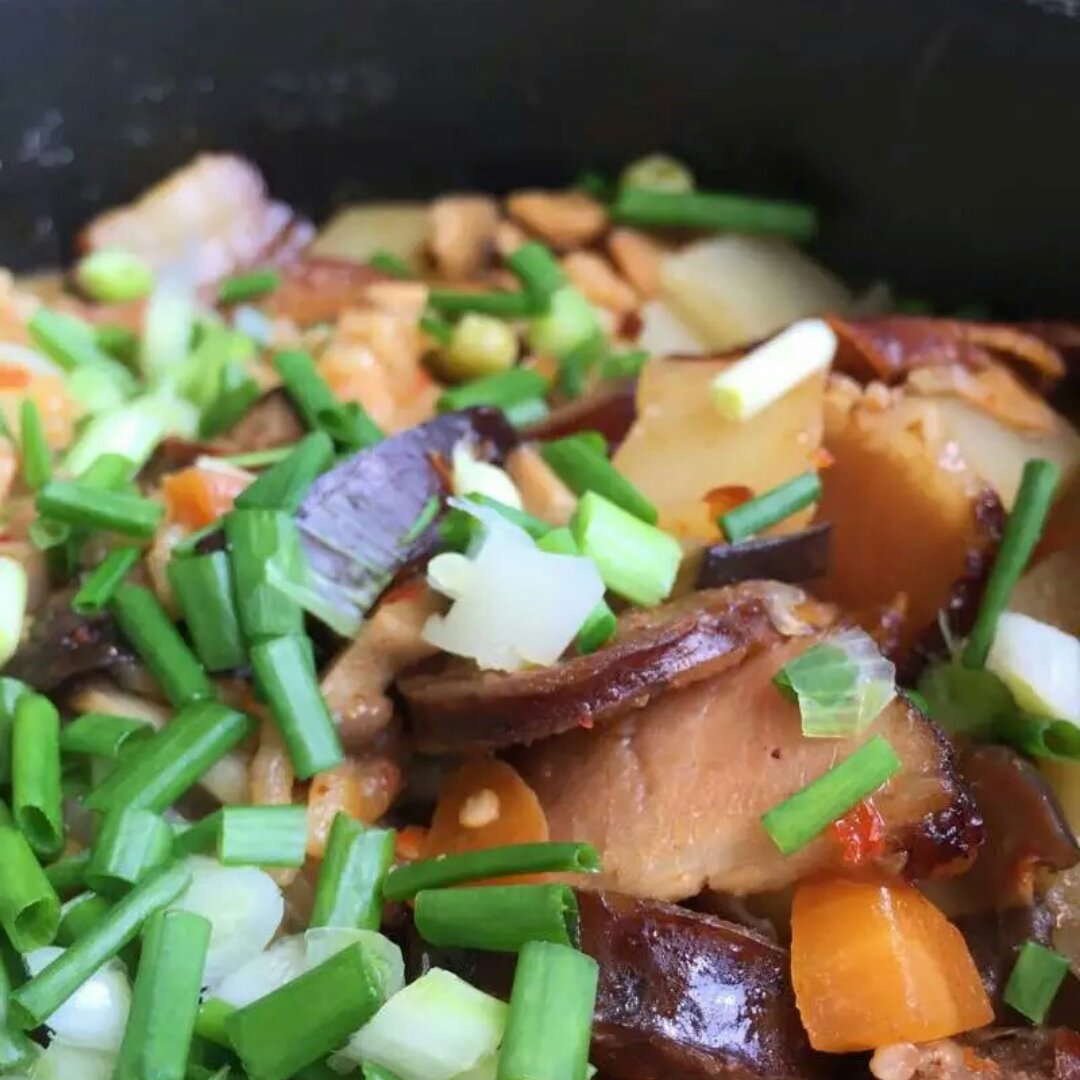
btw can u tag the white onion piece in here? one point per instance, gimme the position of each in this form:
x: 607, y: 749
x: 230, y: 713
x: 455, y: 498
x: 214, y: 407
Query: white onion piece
x: 94, y: 1016
x: 324, y: 941
x: 264, y: 973
x: 25, y: 357
x: 1040, y: 665
x: 517, y: 605
x: 474, y: 477
x: 64, y: 1062
x: 663, y: 333
x: 245, y: 908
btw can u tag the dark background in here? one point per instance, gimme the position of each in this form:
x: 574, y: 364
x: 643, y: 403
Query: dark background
x: 940, y: 137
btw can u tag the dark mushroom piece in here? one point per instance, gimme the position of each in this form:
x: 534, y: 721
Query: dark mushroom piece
x: 794, y: 558
x: 63, y: 645
x: 460, y: 708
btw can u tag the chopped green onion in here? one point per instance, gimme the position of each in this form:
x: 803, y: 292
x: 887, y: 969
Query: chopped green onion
x: 250, y: 836
x: 501, y: 391
x: 1040, y: 736
x: 17, y: 1053
x: 68, y: 873
x: 539, y: 272
x: 29, y: 906
x: 244, y: 287
x: 479, y: 345
x: 1022, y: 532
x: 156, y: 774
x: 501, y: 918
x: 258, y: 459
x: 594, y: 183
x: 349, y: 890
x: 636, y: 560
x: 600, y: 623
x: 119, y: 342
x: 459, y: 528
x: 1035, y: 980
x: 236, y: 392
x: 549, y: 1024
x: 75, y: 504
x: 840, y: 685
x: 70, y: 342
x: 210, y: 1022
x: 38, y: 998
x: 262, y: 543
x: 218, y: 364
x: 798, y: 819
x: 101, y: 584
x: 130, y: 844
x: 526, y: 413
x: 145, y: 623
x: 284, y: 485
x: 575, y: 365
x: 203, y: 585
x: 370, y: 1071
x: 190, y: 543
x: 285, y: 675
x: 446, y: 870
x: 168, y: 328
x: 308, y: 1017
x: 503, y: 305
x: 386, y: 262
x: 326, y: 604
x: 428, y: 513
x: 569, y: 322
x: 79, y: 916
x: 438, y: 329
x: 772, y: 507
x: 95, y: 390
x: 576, y: 463
x: 35, y: 774
x: 14, y: 589
x: 36, y: 455
x: 11, y: 690
x: 113, y: 276
x: 165, y: 998
x: 348, y: 425
x: 132, y: 430
x: 657, y: 172
x: 713, y: 210
x: 625, y: 365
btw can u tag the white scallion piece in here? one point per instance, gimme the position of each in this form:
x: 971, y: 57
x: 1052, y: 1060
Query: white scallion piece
x: 13, y: 591
x: 771, y: 370
x: 264, y: 972
x: 474, y: 477
x: 1040, y: 665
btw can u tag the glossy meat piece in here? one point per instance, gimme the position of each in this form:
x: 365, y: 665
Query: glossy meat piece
x: 1026, y: 1054
x: 672, y: 795
x: 208, y: 219
x: 611, y: 410
x: 62, y: 645
x: 462, y: 708
x: 686, y: 996
x: 794, y: 558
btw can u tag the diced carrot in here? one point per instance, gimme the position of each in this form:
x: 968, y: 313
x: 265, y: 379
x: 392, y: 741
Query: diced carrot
x: 860, y: 833
x: 485, y: 804
x: 875, y: 963
x: 14, y: 377
x: 197, y: 497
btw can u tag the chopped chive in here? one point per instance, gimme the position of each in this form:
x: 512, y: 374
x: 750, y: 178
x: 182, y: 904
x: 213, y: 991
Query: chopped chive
x: 539, y: 272
x: 370, y: 1071
x: 17, y: 1052
x: 29, y: 906
x: 459, y: 528
x: 636, y: 560
x: 236, y: 392
x: 284, y: 485
x: 386, y: 262
x: 210, y: 1021
x: 165, y: 998
x: 244, y: 287
x: 428, y: 512
x: 713, y: 210
x: 549, y: 1024
x: 499, y: 918
x: 130, y: 844
x: 76, y: 504
x: 70, y: 342
x: 446, y: 870
x: 1022, y: 531
x: 798, y: 819
x: 437, y: 328
x: 284, y: 673
x: 505, y: 389
x: 79, y: 915
x: 347, y: 424
x: 1035, y: 980
x: 99, y: 586
x: 625, y: 365
x: 35, y: 774
x: 577, y: 464
x: 772, y: 507
x: 349, y: 890
x: 258, y: 459
x: 34, y: 447
x: 575, y: 365
x: 600, y: 623
x: 203, y: 585
x: 522, y: 414
x: 570, y: 322
x: 156, y: 774
x: 308, y: 1017
x: 262, y: 542
x: 119, y: 342
x: 250, y: 836
x: 39, y: 997
x: 503, y: 305
x: 190, y: 544
x: 68, y: 873
x: 145, y: 623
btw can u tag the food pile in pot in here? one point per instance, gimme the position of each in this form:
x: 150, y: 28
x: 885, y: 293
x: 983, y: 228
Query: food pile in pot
x: 558, y: 635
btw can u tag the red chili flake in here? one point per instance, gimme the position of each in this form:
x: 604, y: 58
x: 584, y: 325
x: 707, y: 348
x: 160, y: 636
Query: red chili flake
x: 822, y: 459
x: 722, y: 499
x: 860, y: 833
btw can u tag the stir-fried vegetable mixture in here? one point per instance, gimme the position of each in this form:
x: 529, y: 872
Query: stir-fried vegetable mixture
x: 516, y: 639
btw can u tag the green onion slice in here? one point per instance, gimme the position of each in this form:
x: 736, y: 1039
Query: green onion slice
x: 1035, y: 980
